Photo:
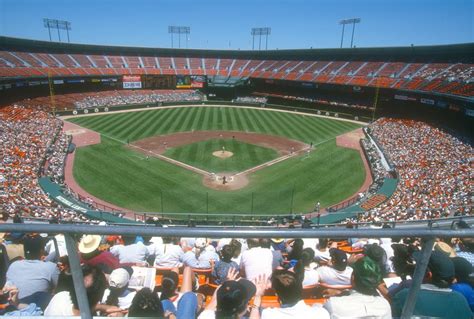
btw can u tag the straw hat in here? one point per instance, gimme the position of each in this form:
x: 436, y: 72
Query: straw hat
x: 89, y: 243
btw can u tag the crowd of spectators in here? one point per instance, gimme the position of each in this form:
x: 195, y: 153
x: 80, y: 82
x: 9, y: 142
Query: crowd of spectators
x: 122, y: 98
x: 27, y: 147
x: 434, y: 169
x: 234, y: 278
x: 378, y: 170
x: 251, y: 99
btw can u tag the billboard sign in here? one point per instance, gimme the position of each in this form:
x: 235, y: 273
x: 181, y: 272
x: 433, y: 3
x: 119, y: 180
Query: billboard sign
x: 132, y: 82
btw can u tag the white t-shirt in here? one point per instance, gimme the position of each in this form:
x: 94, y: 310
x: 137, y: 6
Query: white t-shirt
x: 124, y: 301
x: 331, y: 276
x: 311, y: 277
x: 207, y: 314
x: 300, y: 310
x: 169, y: 257
x: 357, y: 305
x: 60, y: 305
x: 256, y: 261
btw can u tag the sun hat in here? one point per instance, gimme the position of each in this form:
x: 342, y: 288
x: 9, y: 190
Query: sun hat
x: 119, y: 278
x: 89, y: 243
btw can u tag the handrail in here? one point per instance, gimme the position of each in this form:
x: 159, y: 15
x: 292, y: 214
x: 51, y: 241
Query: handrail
x: 238, y: 232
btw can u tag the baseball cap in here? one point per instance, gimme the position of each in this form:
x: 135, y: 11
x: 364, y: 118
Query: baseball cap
x: 440, y: 265
x: 339, y: 259
x: 445, y: 248
x: 119, y: 278
x: 367, y: 275
x: 233, y: 296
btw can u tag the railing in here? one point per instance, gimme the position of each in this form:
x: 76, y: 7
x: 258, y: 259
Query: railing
x: 70, y: 231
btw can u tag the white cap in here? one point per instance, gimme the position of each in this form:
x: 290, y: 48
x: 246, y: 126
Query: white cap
x: 119, y: 278
x: 200, y: 243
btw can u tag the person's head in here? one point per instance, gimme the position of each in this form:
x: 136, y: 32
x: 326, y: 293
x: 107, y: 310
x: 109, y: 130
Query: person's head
x: 227, y: 252
x: 366, y: 276
x: 307, y: 256
x: 402, y: 260
x: 171, y: 240
x: 323, y: 243
x: 169, y: 284
x: 129, y: 240
x: 297, y: 248
x: 236, y: 246
x: 146, y: 304
x: 377, y: 254
x: 338, y: 259
x: 233, y: 298
x: 89, y: 246
x: 253, y: 242
x: 94, y: 282
x: 287, y: 286
x: 265, y: 243
x: 462, y: 270
x: 33, y: 247
x: 118, y: 283
x: 441, y: 269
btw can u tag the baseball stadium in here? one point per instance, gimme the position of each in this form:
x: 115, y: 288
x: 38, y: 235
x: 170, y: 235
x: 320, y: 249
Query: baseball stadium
x: 256, y: 178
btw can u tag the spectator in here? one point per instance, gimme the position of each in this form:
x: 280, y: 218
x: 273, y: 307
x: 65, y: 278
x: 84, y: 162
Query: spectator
x: 200, y: 256
x: 256, y: 260
x: 363, y: 301
x: 34, y: 278
x: 231, y: 299
x: 65, y: 302
x: 118, y: 293
x: 464, y: 283
x: 321, y: 254
x: 145, y: 304
x: 278, y: 259
x: 288, y: 289
x: 131, y: 252
x: 337, y: 273
x: 435, y: 298
x: 305, y: 269
x: 222, y: 266
x: 92, y: 256
x: 170, y: 255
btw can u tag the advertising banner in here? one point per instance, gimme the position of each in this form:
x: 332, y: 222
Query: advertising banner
x: 132, y: 82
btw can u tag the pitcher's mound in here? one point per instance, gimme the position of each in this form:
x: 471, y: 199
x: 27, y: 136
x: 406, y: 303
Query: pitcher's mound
x: 223, y: 154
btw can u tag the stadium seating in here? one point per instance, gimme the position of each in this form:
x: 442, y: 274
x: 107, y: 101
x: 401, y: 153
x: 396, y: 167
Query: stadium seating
x: 448, y: 78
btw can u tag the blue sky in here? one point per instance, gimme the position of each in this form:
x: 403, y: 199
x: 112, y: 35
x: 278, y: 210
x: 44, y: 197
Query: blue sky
x: 226, y: 24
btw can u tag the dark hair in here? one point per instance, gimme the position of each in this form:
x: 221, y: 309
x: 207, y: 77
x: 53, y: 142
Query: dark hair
x: 297, y: 250
x: 227, y: 252
x: 145, y: 304
x: 265, y: 243
x: 323, y: 243
x: 95, y: 290
x: 307, y: 256
x: 237, y: 246
x: 33, y: 247
x: 115, y: 293
x: 169, y: 283
x: 129, y: 240
x: 253, y: 242
x: 287, y: 286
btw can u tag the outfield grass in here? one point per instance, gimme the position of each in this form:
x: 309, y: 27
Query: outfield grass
x: 122, y: 176
x: 200, y: 155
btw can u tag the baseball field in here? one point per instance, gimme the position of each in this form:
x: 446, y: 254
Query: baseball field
x: 173, y: 160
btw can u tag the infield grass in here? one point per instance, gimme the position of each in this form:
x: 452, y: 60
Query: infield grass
x: 126, y: 178
x: 200, y: 155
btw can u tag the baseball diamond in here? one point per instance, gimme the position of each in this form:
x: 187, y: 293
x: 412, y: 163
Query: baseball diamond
x: 146, y: 160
